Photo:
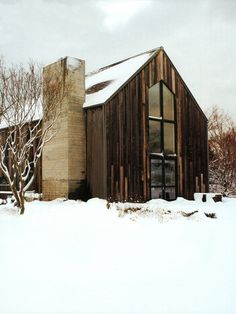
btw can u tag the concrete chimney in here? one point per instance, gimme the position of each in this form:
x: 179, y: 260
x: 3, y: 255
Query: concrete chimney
x: 64, y: 157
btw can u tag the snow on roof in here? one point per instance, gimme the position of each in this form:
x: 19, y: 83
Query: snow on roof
x: 103, y: 83
x: 73, y: 63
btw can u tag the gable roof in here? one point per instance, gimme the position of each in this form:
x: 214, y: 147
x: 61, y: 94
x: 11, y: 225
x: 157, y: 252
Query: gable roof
x: 103, y: 83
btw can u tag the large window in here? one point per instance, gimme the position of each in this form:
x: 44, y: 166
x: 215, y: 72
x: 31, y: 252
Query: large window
x: 162, y: 142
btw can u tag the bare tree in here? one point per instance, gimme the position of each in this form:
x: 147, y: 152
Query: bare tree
x: 29, y: 123
x: 222, y: 152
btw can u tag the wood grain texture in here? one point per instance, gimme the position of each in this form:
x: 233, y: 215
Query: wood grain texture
x: 127, y: 112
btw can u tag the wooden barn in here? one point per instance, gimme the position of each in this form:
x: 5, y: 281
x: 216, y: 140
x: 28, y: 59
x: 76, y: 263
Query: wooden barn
x: 130, y: 131
x: 146, y: 134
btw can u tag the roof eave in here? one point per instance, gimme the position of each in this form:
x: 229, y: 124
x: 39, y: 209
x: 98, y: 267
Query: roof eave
x: 92, y: 106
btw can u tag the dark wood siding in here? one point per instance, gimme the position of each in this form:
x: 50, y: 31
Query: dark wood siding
x: 192, y: 133
x: 126, y: 131
x: 95, y: 152
x: 126, y: 119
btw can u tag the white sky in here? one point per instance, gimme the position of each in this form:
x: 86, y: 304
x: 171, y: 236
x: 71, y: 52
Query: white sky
x: 199, y: 37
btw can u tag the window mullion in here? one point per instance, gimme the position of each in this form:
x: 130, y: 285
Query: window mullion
x: 161, y: 111
x: 162, y: 139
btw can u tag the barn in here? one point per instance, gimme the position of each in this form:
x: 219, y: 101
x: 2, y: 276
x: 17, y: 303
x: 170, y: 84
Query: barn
x: 146, y: 134
x: 130, y: 131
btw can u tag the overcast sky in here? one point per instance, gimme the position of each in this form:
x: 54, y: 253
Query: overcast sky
x: 198, y: 35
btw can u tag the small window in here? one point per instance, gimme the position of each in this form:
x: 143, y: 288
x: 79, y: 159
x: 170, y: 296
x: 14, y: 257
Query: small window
x: 154, y: 136
x: 168, y: 104
x: 154, y: 101
x: 169, y: 172
x: 170, y: 193
x: 156, y: 172
x: 156, y: 192
x: 169, y: 138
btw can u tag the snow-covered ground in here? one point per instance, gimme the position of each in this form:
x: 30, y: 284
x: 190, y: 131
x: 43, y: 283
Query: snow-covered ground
x: 74, y: 257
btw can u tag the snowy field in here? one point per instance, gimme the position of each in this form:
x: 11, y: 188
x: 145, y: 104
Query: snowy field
x: 74, y: 257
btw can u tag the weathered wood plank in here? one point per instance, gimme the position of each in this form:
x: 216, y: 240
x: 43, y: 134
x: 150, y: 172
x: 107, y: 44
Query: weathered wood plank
x: 129, y: 123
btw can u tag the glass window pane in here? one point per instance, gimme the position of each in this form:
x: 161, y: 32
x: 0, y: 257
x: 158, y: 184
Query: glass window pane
x: 169, y: 138
x: 154, y: 101
x: 154, y: 136
x: 156, y: 172
x: 170, y: 172
x: 156, y: 193
x: 168, y: 103
x: 170, y: 194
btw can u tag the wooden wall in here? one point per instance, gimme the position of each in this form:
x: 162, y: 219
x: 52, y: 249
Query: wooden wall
x: 95, y: 156
x: 126, y: 119
x: 192, y: 132
x: 126, y: 133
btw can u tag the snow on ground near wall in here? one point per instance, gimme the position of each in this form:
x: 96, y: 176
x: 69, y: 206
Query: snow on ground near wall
x: 74, y: 257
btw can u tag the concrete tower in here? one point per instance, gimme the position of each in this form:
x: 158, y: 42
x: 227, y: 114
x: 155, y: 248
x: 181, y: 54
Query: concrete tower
x: 64, y: 157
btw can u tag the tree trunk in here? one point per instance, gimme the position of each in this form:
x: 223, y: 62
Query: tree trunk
x: 22, y: 209
x: 22, y: 202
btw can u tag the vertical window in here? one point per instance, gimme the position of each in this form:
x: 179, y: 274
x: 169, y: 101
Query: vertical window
x: 155, y: 136
x: 169, y: 138
x: 156, y: 171
x: 162, y: 142
x: 154, y: 101
x: 156, y: 192
x: 156, y: 178
x: 168, y: 103
x: 170, y: 193
x: 169, y: 172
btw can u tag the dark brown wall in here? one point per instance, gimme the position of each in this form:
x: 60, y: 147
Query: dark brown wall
x: 126, y: 118
x: 95, y: 152
x: 192, y: 133
x: 126, y: 142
